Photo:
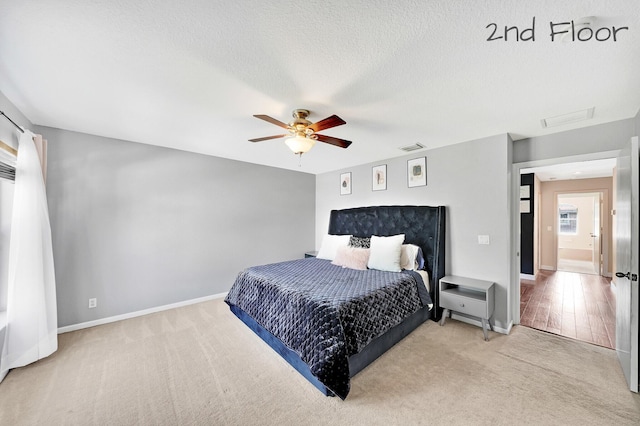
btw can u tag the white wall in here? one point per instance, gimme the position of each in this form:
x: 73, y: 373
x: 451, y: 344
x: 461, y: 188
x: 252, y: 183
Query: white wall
x: 471, y: 179
x: 138, y: 226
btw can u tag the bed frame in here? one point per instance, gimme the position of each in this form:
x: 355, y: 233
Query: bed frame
x: 423, y: 226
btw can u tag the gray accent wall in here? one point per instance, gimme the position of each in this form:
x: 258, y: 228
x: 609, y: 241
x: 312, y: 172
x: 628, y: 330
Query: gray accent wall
x: 138, y: 226
x: 471, y: 179
x: 587, y: 140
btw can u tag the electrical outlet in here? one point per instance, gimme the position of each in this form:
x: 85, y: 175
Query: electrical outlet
x: 93, y: 302
x: 483, y: 239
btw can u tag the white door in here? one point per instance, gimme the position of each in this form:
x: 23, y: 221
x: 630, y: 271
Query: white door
x: 627, y: 247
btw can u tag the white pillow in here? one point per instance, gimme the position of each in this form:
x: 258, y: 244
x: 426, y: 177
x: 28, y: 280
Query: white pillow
x: 409, y: 257
x: 330, y: 244
x: 385, y: 253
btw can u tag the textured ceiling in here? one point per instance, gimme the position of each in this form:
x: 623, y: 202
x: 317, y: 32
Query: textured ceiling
x: 190, y: 74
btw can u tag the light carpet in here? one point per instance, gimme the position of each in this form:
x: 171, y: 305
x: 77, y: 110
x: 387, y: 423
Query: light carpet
x: 200, y: 365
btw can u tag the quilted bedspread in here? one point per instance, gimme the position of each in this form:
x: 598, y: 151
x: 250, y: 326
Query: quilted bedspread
x: 326, y: 313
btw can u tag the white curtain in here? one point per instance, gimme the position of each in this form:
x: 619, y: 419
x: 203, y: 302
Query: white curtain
x: 32, y: 323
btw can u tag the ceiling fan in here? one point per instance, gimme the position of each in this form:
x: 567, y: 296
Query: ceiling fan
x: 302, y: 132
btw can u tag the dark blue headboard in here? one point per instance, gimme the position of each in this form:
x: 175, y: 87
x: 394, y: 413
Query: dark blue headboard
x: 423, y: 226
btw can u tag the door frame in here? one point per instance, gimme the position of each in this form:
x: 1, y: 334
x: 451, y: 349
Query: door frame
x: 513, y: 291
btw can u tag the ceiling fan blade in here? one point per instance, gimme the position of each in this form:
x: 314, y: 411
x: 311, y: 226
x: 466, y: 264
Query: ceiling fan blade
x: 342, y: 143
x: 327, y: 123
x: 266, y: 138
x: 272, y: 120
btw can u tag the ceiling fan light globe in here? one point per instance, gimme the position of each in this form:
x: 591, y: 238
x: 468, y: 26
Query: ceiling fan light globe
x: 300, y: 144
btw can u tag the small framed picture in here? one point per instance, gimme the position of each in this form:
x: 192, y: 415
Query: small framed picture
x: 417, y: 172
x: 379, y: 178
x: 345, y: 183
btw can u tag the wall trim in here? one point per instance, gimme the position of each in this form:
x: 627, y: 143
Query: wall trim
x: 129, y: 315
x: 473, y: 321
x: 527, y: 277
x: 547, y: 268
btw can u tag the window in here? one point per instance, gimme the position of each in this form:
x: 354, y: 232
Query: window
x: 568, y: 218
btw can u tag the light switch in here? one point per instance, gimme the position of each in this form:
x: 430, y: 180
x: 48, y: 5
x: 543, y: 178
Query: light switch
x: 483, y: 239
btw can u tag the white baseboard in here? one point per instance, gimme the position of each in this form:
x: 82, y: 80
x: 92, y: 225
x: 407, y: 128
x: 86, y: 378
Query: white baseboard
x: 509, y: 327
x: 551, y: 268
x: 108, y: 320
x: 527, y: 277
x: 478, y: 323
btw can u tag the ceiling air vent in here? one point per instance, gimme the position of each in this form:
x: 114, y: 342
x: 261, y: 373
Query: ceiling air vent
x: 572, y: 117
x: 414, y: 147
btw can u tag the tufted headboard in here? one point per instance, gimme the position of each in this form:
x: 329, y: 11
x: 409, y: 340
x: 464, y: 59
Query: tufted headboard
x: 423, y: 226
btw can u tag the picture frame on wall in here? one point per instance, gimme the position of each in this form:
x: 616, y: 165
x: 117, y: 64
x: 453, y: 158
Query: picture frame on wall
x: 379, y: 178
x: 417, y: 172
x: 345, y: 183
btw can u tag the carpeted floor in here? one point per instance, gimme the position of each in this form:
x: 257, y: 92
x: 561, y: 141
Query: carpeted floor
x: 200, y: 365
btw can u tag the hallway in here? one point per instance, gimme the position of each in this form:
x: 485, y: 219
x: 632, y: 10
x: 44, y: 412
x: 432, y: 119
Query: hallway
x: 570, y: 304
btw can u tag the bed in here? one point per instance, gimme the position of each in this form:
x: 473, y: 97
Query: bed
x: 329, y: 322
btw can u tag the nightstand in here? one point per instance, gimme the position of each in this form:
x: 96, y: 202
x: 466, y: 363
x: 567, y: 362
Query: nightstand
x: 468, y: 296
x: 310, y: 254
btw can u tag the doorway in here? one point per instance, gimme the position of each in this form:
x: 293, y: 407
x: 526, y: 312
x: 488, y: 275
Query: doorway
x: 579, y: 232
x: 570, y: 292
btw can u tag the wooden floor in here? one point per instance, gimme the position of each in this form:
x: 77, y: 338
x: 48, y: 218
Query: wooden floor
x: 579, y: 306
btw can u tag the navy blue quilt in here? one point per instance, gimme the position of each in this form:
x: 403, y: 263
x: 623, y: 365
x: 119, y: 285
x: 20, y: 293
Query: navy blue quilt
x: 326, y: 313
